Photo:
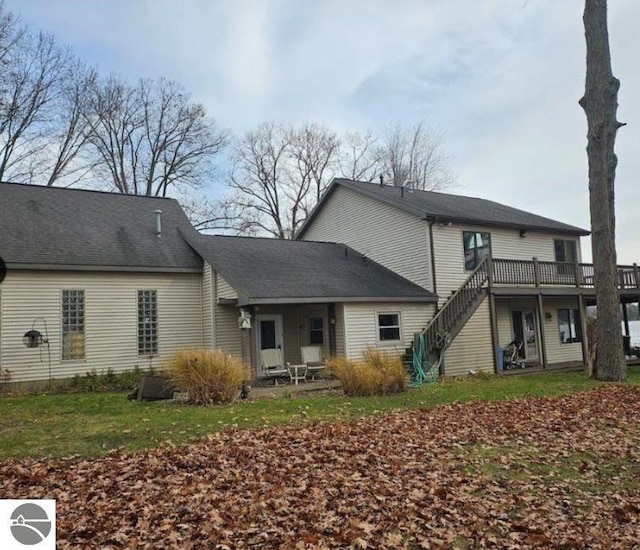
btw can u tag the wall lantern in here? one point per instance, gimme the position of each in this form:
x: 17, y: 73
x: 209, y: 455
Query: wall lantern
x: 548, y: 316
x: 33, y: 339
x: 523, y: 233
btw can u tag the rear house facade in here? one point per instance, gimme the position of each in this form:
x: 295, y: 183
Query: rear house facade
x: 117, y: 281
x: 501, y: 274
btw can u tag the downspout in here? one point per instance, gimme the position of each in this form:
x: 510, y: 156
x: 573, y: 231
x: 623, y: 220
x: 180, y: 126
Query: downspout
x: 433, y: 259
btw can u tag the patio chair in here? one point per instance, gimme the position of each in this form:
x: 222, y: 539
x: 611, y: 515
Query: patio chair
x: 273, y: 365
x: 312, y: 357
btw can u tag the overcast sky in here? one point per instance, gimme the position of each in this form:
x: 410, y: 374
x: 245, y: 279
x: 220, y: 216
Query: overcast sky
x: 501, y: 78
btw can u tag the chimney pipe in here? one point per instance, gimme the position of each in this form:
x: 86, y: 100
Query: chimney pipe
x: 381, y: 180
x: 158, y: 223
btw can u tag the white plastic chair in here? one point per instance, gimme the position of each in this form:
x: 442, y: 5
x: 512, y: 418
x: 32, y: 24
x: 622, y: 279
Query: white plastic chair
x: 273, y: 365
x: 312, y: 357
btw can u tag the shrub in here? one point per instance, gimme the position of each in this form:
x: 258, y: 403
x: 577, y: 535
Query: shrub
x: 378, y: 373
x: 210, y: 376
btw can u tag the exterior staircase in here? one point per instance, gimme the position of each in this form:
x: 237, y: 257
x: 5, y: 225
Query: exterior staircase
x: 447, y: 323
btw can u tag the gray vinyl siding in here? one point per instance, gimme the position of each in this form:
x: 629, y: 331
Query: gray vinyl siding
x: 110, y: 320
x: 225, y: 318
x: 471, y: 349
x: 223, y: 289
x: 505, y: 244
x: 207, y: 307
x: 391, y: 237
x: 361, y: 328
x: 556, y: 352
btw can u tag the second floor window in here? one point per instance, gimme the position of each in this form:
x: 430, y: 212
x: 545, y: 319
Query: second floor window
x: 566, y: 251
x: 477, y: 246
x: 72, y: 324
x: 147, y: 322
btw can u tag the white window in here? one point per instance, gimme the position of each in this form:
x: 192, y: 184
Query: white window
x: 147, y: 322
x: 388, y: 326
x: 72, y: 324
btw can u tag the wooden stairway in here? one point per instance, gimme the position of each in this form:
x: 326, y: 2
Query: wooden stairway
x: 454, y: 313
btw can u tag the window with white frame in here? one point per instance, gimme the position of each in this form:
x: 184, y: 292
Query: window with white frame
x: 316, y: 330
x: 73, y: 341
x: 388, y: 326
x: 147, y: 322
x: 569, y: 325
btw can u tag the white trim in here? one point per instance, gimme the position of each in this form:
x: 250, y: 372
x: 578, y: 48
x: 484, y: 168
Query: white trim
x: 400, y: 331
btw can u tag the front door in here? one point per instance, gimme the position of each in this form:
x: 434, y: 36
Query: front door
x: 269, y: 333
x: 525, y: 330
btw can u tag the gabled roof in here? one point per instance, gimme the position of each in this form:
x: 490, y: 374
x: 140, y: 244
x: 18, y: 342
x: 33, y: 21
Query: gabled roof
x: 56, y: 228
x: 445, y: 207
x: 281, y: 271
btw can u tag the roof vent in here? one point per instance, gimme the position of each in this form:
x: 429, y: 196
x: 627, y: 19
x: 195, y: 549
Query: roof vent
x: 158, y: 223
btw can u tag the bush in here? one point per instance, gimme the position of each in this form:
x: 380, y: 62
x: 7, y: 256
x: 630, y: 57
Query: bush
x: 210, y: 376
x: 378, y: 373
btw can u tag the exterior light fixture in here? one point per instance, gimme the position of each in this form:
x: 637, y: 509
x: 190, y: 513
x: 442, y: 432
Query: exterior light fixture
x: 33, y: 339
x: 523, y: 233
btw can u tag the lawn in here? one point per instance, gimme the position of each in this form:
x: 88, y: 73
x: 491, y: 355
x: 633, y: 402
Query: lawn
x: 92, y: 424
x: 534, y: 472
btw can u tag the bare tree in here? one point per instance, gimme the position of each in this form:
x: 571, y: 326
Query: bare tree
x: 150, y: 138
x: 600, y: 103
x: 279, y: 173
x: 32, y: 68
x: 360, y: 157
x: 260, y: 176
x: 415, y: 155
x: 67, y: 160
x: 314, y: 150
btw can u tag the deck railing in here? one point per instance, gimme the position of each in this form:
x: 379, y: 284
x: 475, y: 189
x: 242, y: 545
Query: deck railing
x: 541, y: 273
x: 496, y: 272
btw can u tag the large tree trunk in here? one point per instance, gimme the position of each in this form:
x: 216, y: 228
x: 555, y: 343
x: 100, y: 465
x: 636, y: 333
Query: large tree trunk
x: 600, y: 103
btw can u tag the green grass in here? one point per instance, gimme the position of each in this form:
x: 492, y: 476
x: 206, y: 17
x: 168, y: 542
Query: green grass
x: 93, y: 424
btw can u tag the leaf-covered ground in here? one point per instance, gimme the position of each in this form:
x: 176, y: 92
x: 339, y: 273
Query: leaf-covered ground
x: 538, y: 472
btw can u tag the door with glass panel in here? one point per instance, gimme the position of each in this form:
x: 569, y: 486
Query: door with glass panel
x: 269, y: 333
x: 525, y: 330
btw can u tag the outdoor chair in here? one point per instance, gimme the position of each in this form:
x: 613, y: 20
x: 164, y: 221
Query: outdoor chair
x: 273, y: 364
x: 312, y: 357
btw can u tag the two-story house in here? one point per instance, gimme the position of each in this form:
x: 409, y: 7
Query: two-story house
x: 501, y: 274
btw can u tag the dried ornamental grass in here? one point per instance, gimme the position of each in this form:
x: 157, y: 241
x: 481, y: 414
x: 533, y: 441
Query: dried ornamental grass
x: 210, y: 376
x: 377, y: 374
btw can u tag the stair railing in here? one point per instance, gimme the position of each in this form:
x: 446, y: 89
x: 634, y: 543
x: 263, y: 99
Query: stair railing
x: 456, y: 306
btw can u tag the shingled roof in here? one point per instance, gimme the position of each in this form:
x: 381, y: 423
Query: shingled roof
x: 55, y: 228
x: 278, y: 271
x: 445, y: 207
